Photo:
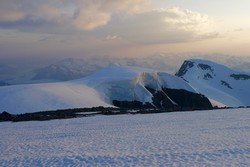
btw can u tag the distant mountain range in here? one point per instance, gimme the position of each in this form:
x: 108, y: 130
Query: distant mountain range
x: 66, y: 69
x: 47, y: 70
x: 75, y: 68
x: 198, y: 84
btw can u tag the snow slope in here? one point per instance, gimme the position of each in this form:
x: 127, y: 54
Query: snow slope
x: 129, y: 83
x: 51, y: 96
x: 100, y: 89
x: 217, y: 82
x: 202, y: 138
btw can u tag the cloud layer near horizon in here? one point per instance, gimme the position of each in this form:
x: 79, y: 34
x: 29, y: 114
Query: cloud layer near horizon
x: 130, y: 18
x: 96, y: 27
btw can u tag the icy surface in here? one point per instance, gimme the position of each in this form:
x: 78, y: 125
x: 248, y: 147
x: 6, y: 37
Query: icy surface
x: 204, y: 138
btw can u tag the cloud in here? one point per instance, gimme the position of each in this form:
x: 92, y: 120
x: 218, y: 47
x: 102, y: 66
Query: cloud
x: 81, y: 14
x: 187, y: 20
x: 90, y: 18
x: 164, y: 26
x: 239, y: 29
x: 10, y: 11
x: 133, y: 20
x: 48, y: 12
x: 112, y: 37
x: 95, y: 13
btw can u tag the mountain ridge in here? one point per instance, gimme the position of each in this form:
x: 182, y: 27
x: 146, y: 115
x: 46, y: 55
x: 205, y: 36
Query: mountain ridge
x: 127, y: 87
x: 143, y: 85
x: 197, y: 84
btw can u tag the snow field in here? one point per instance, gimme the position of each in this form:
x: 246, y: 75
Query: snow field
x: 201, y: 138
x: 19, y: 99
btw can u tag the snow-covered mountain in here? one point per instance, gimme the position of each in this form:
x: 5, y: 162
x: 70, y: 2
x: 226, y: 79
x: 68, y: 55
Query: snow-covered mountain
x: 219, y: 83
x: 42, y: 70
x: 75, y: 68
x: 119, y: 86
x: 124, y: 85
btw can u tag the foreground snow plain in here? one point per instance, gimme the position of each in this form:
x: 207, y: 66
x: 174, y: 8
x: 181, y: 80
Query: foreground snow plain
x: 200, y: 138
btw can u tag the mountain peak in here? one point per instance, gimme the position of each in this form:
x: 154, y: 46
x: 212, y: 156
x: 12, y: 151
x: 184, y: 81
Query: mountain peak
x: 217, y: 81
x: 184, y: 68
x: 125, y: 84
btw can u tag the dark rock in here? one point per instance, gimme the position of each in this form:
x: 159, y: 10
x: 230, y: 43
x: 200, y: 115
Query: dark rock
x: 184, y: 68
x: 5, y: 116
x: 2, y: 83
x: 170, y: 99
x: 207, y: 76
x: 131, y: 104
x: 205, y: 67
x: 226, y: 84
x: 186, y: 99
x: 240, y: 76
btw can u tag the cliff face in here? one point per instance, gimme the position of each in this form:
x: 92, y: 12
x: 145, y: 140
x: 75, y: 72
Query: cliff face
x: 170, y: 99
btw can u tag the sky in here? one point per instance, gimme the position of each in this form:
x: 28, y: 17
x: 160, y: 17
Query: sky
x: 125, y: 28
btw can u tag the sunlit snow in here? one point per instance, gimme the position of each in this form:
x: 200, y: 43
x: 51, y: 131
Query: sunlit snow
x: 200, y: 138
x: 48, y: 96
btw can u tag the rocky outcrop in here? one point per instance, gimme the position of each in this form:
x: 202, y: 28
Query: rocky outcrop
x: 170, y: 99
x: 131, y: 104
x: 5, y: 116
x: 186, y: 99
x: 184, y: 68
x: 2, y: 83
